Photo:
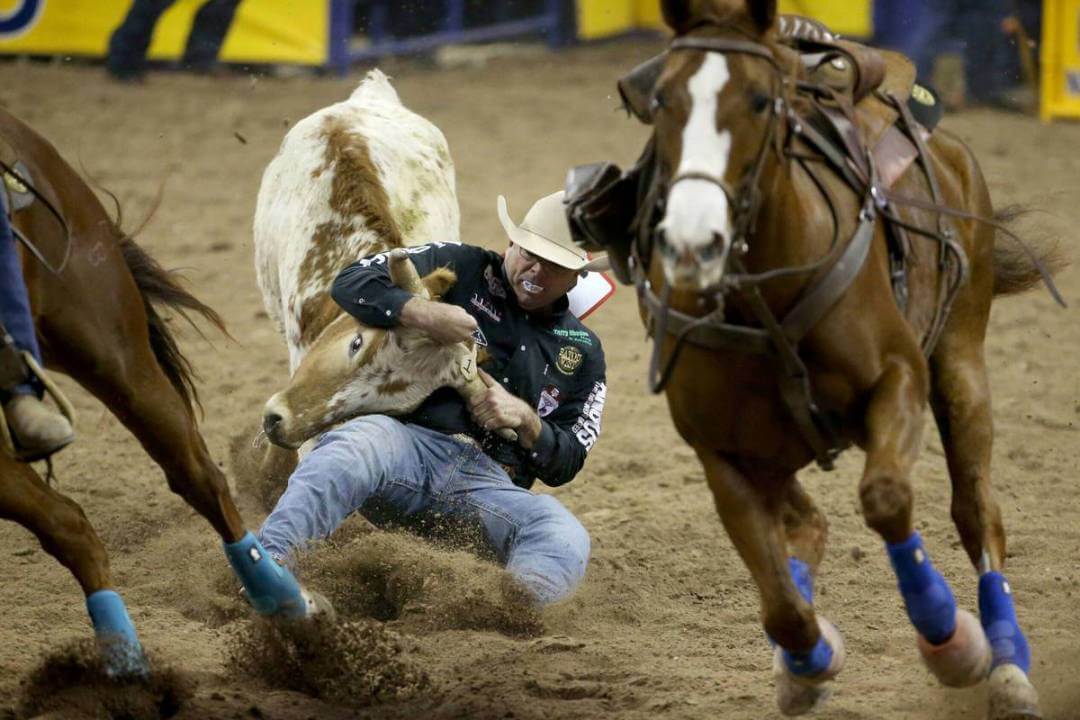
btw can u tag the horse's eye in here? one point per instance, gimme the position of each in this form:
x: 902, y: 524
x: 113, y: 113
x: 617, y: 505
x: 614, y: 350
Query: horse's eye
x: 355, y: 345
x: 760, y: 103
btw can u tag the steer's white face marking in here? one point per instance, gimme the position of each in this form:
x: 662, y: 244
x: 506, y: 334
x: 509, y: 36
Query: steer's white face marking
x: 697, y: 212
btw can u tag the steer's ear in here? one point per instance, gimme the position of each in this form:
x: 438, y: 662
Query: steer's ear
x: 439, y: 281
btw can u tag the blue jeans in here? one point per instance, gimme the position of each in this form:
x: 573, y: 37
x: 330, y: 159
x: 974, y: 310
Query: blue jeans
x: 15, y: 301
x: 389, y: 470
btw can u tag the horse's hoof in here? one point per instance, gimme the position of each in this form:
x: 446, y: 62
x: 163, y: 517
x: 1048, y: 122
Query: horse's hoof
x: 122, y: 659
x: 1012, y: 696
x: 964, y: 659
x: 318, y: 606
x: 799, y: 695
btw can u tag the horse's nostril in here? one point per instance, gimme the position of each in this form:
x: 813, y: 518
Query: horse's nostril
x: 271, y: 421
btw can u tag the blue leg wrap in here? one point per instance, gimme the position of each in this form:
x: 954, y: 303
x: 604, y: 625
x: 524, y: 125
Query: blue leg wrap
x: 929, y: 600
x: 271, y: 589
x: 818, y: 659
x: 800, y: 574
x: 1007, y: 642
x: 121, y: 651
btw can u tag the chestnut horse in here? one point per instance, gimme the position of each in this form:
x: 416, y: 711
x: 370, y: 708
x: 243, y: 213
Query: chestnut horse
x: 792, y: 343
x: 97, y: 322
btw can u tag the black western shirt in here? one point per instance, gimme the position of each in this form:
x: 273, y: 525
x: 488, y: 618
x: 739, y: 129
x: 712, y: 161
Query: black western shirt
x: 552, y: 362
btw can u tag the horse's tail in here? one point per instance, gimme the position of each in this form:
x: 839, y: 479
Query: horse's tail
x: 158, y: 286
x: 1017, y: 263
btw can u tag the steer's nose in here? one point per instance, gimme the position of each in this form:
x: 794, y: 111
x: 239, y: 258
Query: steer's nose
x: 271, y: 420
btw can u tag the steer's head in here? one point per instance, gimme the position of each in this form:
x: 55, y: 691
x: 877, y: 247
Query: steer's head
x: 353, y: 369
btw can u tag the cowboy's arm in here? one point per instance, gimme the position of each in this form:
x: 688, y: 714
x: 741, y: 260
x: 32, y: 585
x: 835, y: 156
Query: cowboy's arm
x: 569, y: 433
x: 365, y: 290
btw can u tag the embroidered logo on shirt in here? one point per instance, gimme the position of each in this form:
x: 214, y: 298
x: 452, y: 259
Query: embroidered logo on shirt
x: 587, y: 427
x: 579, y: 336
x: 549, y: 401
x: 569, y: 359
x: 485, y: 307
x: 495, y: 284
x: 479, y: 339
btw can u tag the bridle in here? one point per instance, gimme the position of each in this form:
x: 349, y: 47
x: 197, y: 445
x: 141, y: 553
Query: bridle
x: 745, y: 198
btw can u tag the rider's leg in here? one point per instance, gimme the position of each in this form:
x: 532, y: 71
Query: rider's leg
x: 39, y: 430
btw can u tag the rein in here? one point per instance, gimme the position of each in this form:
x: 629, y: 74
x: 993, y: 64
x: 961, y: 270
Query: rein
x: 34, y: 250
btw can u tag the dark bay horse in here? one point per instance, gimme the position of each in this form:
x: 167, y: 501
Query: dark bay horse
x: 770, y: 244
x: 97, y: 321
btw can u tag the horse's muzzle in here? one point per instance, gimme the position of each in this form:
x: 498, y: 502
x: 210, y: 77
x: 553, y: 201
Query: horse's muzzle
x: 694, y: 268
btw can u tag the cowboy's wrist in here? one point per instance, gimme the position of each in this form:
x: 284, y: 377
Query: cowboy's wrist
x: 416, y: 313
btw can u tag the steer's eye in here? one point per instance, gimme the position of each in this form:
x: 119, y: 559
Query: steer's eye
x: 355, y: 345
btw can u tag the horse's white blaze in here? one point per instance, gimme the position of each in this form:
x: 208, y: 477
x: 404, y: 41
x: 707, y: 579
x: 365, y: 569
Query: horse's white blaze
x: 697, y: 210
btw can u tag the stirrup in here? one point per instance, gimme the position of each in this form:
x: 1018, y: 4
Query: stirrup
x: 7, y: 440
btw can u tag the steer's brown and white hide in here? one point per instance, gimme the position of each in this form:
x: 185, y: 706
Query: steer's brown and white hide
x: 360, y: 177
x: 353, y: 179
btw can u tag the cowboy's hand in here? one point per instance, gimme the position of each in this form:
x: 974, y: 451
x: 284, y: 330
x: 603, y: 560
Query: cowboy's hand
x: 496, y: 408
x: 446, y: 324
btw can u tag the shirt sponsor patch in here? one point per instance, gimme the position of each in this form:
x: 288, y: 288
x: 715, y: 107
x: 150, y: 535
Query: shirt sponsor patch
x: 587, y: 427
x: 549, y: 401
x: 579, y: 336
x: 569, y: 359
x: 485, y: 307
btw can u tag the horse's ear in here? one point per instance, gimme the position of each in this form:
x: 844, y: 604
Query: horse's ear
x: 677, y: 13
x: 763, y: 13
x: 438, y: 282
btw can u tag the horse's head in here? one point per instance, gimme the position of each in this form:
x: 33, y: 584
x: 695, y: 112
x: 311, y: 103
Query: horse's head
x: 352, y: 369
x: 715, y: 112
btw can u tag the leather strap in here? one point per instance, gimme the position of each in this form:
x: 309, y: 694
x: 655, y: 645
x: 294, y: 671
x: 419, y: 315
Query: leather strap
x: 826, y: 292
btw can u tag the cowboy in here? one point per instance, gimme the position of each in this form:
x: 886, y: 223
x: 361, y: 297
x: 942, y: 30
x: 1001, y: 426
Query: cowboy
x: 545, y: 374
x: 36, y: 428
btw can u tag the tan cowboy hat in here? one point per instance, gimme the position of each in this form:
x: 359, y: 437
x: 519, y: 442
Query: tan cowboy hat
x: 546, y: 233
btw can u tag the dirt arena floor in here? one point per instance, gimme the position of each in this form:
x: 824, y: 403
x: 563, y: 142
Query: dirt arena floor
x: 665, y: 625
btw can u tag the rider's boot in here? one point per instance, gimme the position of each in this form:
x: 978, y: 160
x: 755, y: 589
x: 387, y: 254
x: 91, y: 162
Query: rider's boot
x: 38, y: 429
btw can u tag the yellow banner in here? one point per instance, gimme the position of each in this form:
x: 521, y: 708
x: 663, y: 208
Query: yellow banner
x: 602, y: 18
x: 263, y: 31
x: 1061, y: 59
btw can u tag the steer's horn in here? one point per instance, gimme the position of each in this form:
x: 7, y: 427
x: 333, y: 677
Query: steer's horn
x: 403, y: 273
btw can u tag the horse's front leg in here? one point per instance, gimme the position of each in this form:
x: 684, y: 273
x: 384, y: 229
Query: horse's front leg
x: 952, y: 644
x: 760, y: 516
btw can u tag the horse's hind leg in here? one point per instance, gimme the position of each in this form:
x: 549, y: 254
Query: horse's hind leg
x: 760, y: 518
x: 126, y: 377
x: 961, y: 402
x: 950, y: 640
x: 64, y: 532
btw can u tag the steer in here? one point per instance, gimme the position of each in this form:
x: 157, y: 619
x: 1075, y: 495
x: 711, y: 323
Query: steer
x: 361, y: 177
